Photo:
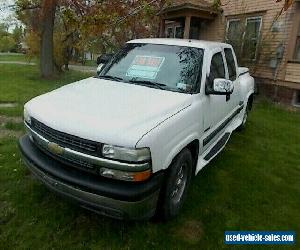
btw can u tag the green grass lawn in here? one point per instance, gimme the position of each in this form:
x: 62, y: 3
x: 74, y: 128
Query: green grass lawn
x: 90, y: 63
x: 254, y: 184
x: 16, y: 57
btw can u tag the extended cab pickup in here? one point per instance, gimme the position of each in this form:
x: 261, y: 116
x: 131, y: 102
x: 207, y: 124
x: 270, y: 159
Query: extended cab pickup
x: 126, y: 142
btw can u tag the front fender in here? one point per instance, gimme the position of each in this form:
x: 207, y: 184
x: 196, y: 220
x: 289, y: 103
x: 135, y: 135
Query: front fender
x: 170, y: 137
x: 247, y: 87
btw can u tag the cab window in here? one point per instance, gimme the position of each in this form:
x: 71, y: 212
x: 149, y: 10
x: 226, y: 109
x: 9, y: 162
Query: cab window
x: 217, y: 68
x: 230, y: 64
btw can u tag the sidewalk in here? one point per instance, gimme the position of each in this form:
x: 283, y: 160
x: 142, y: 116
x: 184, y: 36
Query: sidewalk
x: 81, y: 68
x: 17, y: 62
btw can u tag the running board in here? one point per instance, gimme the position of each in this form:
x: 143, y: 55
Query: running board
x: 219, y: 145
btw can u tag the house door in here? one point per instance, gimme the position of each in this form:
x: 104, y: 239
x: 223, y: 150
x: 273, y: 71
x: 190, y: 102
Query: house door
x: 195, y: 28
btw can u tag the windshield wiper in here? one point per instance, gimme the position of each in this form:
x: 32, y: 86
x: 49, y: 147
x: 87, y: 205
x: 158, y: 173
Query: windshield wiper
x: 149, y: 83
x: 118, y: 79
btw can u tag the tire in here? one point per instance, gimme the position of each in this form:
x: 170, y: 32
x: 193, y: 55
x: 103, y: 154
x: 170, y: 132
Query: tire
x: 245, y: 118
x: 176, y: 185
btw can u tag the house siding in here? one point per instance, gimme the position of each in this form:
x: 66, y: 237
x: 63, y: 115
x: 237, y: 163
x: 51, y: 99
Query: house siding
x: 284, y: 79
x: 293, y: 73
x: 268, y: 10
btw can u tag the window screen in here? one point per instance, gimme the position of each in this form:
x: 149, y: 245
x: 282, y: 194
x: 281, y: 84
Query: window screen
x: 230, y: 63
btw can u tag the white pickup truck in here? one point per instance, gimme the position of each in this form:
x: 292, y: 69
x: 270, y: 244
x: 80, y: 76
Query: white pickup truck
x: 127, y: 142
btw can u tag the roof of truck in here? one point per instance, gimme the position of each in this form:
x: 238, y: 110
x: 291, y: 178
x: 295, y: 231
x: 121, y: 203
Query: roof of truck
x: 182, y: 42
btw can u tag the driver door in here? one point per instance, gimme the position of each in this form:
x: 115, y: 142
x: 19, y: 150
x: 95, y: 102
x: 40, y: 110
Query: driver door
x: 218, y: 106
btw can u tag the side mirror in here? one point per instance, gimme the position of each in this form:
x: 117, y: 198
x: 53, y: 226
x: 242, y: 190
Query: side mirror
x: 104, y: 59
x: 99, y: 68
x: 221, y: 87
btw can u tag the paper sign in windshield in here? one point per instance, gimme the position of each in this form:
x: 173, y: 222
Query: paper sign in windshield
x: 145, y: 67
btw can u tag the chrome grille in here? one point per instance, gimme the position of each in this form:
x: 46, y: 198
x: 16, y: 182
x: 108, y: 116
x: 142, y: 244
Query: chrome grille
x: 70, y: 161
x: 67, y: 140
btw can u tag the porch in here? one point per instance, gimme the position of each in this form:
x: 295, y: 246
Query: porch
x: 186, y: 20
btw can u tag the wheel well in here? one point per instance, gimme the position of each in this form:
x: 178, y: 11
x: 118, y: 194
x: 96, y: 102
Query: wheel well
x: 194, y: 149
x: 250, y: 101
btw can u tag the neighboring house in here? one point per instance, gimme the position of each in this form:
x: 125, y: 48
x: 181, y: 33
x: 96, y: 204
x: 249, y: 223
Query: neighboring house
x: 270, y: 47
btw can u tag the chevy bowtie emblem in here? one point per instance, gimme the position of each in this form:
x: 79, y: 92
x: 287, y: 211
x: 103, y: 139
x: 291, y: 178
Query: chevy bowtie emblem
x: 55, y: 148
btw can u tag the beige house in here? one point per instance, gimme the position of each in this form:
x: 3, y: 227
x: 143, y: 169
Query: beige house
x: 270, y: 46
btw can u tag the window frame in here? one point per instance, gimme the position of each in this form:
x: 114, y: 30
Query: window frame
x: 243, y: 22
x: 296, y: 98
x: 174, y: 29
x: 167, y: 29
x: 227, y: 25
x: 214, y: 53
x: 297, y: 46
x: 178, y: 27
x: 258, y: 37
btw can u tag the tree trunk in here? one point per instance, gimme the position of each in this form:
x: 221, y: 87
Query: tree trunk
x: 161, y: 29
x: 46, y: 50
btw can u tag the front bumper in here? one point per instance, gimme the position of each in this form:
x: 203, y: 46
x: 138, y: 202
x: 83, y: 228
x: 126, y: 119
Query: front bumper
x: 117, y: 199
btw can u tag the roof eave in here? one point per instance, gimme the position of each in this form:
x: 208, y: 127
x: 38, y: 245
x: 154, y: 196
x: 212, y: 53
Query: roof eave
x: 170, y: 9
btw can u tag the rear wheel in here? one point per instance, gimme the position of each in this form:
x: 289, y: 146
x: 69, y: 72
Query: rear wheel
x: 177, y: 181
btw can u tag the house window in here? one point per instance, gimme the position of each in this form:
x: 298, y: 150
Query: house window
x: 234, y: 34
x: 178, y: 32
x: 174, y: 32
x: 297, y: 50
x: 243, y: 34
x: 251, y: 37
x: 297, y: 98
x: 170, y: 32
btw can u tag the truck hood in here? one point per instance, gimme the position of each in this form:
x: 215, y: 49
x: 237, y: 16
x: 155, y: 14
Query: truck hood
x: 106, y: 111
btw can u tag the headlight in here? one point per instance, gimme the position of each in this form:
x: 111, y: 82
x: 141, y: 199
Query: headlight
x: 126, y: 154
x: 27, y: 117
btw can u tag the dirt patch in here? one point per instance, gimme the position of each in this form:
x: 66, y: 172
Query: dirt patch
x: 6, y: 119
x: 191, y: 231
x: 6, y: 212
x: 4, y: 133
x: 8, y: 104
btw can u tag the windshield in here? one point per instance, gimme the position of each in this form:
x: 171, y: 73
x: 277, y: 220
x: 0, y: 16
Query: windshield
x: 174, y: 68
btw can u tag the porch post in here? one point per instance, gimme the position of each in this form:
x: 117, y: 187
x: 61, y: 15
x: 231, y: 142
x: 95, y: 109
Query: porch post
x: 162, y: 27
x: 187, y: 25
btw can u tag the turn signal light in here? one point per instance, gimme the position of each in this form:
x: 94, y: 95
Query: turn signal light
x: 141, y: 176
x: 125, y: 176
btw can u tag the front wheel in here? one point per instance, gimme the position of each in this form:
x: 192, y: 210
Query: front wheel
x: 176, y: 185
